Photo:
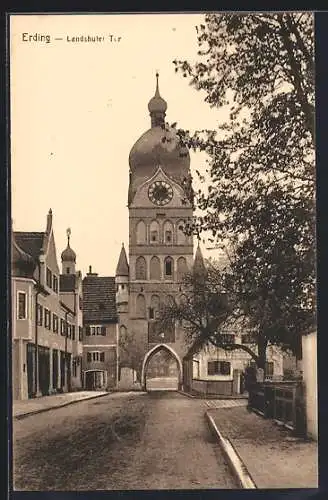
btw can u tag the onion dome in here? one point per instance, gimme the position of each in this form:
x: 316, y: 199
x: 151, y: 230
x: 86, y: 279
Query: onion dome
x: 157, y: 106
x: 122, y: 268
x: 158, y: 146
x: 68, y: 255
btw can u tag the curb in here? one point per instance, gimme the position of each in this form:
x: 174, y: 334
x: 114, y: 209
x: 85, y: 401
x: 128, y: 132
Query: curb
x: 237, y: 466
x: 42, y: 410
x: 186, y: 394
x: 210, y: 397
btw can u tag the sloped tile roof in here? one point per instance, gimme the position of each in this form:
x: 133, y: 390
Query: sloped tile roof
x: 67, y: 282
x: 22, y: 264
x: 31, y: 243
x: 99, y: 299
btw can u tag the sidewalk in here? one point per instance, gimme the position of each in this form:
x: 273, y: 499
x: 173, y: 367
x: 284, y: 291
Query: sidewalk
x: 45, y: 403
x: 271, y: 455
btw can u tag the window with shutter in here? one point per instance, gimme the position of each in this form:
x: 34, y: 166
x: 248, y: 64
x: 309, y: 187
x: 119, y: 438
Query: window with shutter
x: 102, y: 356
x: 89, y: 357
x: 55, y: 323
x: 47, y: 319
x: 40, y: 315
x: 103, y: 331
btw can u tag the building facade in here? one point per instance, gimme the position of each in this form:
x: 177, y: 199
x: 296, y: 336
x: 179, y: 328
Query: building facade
x: 100, y: 333
x: 46, y: 322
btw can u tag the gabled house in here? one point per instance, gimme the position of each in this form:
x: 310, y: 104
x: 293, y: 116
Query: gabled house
x: 46, y: 345
x: 100, y: 332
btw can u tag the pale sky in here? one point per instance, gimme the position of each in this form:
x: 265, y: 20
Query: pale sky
x: 76, y: 111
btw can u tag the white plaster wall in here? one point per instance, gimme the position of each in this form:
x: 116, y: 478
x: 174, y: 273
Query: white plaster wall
x: 309, y: 362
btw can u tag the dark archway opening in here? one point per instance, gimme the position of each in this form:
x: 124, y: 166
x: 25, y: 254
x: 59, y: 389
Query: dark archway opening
x: 162, y: 371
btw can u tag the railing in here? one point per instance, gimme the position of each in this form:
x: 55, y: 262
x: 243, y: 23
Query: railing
x: 285, y: 405
x: 281, y: 401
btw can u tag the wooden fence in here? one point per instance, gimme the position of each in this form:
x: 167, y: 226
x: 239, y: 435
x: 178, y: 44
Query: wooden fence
x: 281, y: 401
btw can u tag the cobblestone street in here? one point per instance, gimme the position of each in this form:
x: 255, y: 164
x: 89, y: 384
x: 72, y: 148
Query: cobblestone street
x: 122, y: 441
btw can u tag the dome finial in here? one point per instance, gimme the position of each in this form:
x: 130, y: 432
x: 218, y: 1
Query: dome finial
x: 157, y: 106
x: 157, y: 94
x: 68, y: 255
x: 68, y: 232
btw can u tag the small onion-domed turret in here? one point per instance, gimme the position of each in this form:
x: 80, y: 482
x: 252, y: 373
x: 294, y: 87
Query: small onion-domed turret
x: 68, y: 257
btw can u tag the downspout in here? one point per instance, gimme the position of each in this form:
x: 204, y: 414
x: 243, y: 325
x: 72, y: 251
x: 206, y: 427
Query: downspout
x: 36, y: 340
x: 117, y: 354
x: 65, y: 357
x: 36, y: 351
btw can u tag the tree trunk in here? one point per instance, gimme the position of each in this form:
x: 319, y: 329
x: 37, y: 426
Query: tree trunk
x: 262, y: 347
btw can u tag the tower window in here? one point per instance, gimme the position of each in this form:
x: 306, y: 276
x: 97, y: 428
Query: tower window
x: 154, y: 236
x: 168, y: 267
x: 154, y: 232
x: 151, y: 313
x: 168, y: 236
x: 67, y: 270
x: 141, y: 268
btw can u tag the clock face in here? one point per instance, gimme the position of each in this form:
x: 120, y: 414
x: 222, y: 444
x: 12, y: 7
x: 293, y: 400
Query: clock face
x: 160, y: 193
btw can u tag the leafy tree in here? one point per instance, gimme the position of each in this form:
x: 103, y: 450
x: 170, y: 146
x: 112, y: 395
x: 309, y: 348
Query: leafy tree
x: 258, y: 196
x: 209, y: 312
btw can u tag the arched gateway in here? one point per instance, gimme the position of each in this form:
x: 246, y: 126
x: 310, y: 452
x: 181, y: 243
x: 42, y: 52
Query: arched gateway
x: 148, y: 357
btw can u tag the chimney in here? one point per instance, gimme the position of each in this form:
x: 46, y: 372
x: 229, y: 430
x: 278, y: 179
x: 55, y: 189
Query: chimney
x: 90, y: 273
x: 49, y: 221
